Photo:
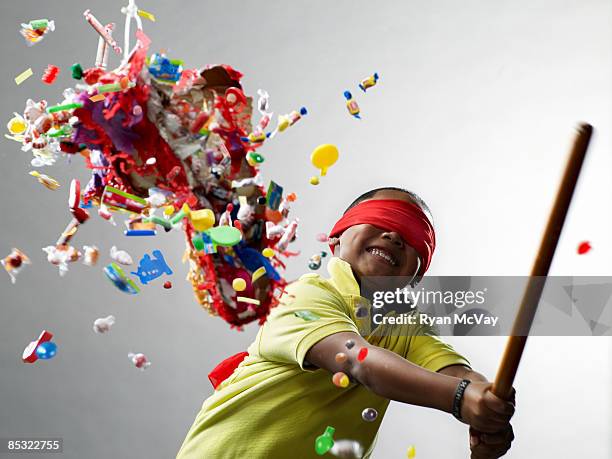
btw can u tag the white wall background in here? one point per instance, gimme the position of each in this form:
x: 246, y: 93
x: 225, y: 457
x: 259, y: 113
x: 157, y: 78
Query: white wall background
x: 474, y: 111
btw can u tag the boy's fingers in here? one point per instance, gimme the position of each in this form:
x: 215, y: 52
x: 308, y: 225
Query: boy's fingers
x: 498, y: 438
x: 498, y: 405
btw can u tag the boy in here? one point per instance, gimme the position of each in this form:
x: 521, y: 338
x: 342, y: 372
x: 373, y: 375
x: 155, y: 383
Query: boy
x: 280, y: 398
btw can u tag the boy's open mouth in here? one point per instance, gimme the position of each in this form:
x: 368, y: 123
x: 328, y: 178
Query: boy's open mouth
x: 383, y: 254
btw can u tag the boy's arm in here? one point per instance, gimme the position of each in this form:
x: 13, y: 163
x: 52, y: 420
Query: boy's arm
x: 463, y: 372
x: 391, y: 376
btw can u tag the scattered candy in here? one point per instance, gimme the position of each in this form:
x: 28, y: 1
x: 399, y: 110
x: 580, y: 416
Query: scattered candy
x: 306, y: 315
x: 348, y: 449
x: 152, y: 268
x: 268, y: 252
x: 35, y: 31
x: 60, y: 255
x: 341, y: 380
x: 351, y: 105
x: 120, y: 256
x: 110, y: 41
x: 46, y: 350
x: 324, y: 156
x: 341, y: 357
x: 139, y: 361
x: 369, y: 414
x: 287, y: 236
x: 411, y: 453
x: 50, y: 74
x: 584, y: 247
x: 239, y: 284
x: 64, y: 107
x: 325, y: 442
x: 368, y: 82
x: 150, y: 161
x: 103, y: 324
x: 349, y: 344
x: 91, y: 254
x: 23, y: 76
x: 146, y: 15
x: 167, y: 285
x: 29, y: 353
x: 321, y: 237
x: 314, y: 180
x: 120, y: 280
x: 314, y: 262
x: 97, y: 98
x: 77, y: 71
x: 245, y: 299
x: 116, y: 199
x: 14, y: 262
x: 259, y: 272
x: 363, y: 353
x: 17, y: 125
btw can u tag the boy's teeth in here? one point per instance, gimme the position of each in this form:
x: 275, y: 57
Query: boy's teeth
x: 382, y: 254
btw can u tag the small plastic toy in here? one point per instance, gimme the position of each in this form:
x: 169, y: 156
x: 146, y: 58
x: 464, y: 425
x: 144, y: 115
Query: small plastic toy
x: 167, y: 285
x: 23, y: 76
x: 369, y: 414
x: 90, y: 255
x: 152, y: 268
x: 341, y: 357
x: 324, y: 156
x: 77, y: 71
x: 368, y: 82
x: 350, y: 344
x: 34, y: 31
x: 341, y: 380
x: 306, y: 315
x: 325, y: 442
x: 50, y: 74
x: 139, y: 361
x: 120, y: 280
x: 351, y: 105
x: 314, y: 262
x: 314, y: 180
x: 120, y: 256
x: 225, y: 236
x: 348, y: 449
x: 29, y: 353
x: 49, y: 182
x: 103, y: 324
x: 14, y: 262
x: 584, y: 247
x: 268, y: 252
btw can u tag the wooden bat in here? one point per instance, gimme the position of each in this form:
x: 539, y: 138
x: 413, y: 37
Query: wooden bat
x: 502, y: 387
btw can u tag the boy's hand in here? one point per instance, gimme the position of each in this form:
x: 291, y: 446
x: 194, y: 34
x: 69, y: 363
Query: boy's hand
x: 484, y: 411
x: 490, y: 445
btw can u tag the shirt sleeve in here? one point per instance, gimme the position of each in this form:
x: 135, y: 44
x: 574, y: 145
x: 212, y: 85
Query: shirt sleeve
x: 427, y: 350
x: 309, y: 310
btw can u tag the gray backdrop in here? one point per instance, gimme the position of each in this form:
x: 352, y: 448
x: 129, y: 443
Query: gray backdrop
x: 474, y: 111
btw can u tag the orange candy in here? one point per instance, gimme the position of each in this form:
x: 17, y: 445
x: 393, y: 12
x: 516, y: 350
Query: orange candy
x: 341, y: 380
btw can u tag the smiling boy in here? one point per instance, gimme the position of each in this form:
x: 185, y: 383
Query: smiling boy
x: 280, y: 398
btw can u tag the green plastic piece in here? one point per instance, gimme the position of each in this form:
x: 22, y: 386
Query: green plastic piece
x: 325, y: 442
x: 225, y: 236
x: 178, y: 217
x: 167, y: 225
x: 306, y: 315
x: 77, y: 71
x: 197, y: 242
x: 256, y: 157
x: 61, y: 108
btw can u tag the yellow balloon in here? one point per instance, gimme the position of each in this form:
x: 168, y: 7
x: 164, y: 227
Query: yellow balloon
x: 324, y: 156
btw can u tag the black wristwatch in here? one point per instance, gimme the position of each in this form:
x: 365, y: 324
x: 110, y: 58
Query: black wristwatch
x: 459, y: 397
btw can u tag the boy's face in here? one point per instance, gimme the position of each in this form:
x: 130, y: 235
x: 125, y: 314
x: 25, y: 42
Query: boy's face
x: 372, y: 251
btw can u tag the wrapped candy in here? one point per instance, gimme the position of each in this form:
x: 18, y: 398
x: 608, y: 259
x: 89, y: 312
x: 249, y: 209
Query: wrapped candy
x: 139, y: 360
x: 34, y: 31
x: 14, y: 262
x: 61, y: 255
x: 103, y: 324
x: 120, y: 256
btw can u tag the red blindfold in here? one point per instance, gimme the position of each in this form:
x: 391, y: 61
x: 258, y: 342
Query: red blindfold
x: 402, y: 217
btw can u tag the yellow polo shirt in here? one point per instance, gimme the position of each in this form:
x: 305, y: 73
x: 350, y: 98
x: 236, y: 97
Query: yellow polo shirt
x: 274, y: 406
